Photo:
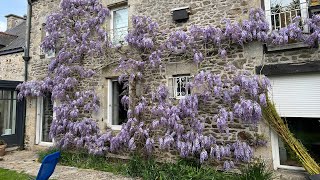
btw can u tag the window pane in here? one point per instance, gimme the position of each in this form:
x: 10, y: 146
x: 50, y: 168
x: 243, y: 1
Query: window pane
x: 119, y: 112
x: 120, y: 25
x: 47, y: 118
x: 179, y: 83
x: 8, y: 107
x: 283, y: 11
x: 306, y: 130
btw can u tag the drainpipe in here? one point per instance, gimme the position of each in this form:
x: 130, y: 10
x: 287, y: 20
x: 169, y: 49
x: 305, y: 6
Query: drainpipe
x: 26, y: 56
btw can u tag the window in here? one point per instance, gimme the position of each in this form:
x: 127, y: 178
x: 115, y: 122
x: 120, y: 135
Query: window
x: 119, y: 25
x: 49, y: 54
x: 307, y: 133
x: 8, y: 106
x: 281, y: 12
x: 117, y: 113
x: 44, y: 120
x: 298, y: 105
x: 178, y: 84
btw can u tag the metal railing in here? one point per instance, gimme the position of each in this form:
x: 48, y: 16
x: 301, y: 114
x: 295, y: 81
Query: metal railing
x: 281, y: 16
x: 179, y: 88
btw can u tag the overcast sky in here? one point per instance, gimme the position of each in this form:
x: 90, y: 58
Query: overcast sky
x: 17, y: 7
x: 282, y: 2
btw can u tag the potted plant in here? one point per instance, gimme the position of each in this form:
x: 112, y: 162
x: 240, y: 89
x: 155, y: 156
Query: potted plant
x: 3, y: 146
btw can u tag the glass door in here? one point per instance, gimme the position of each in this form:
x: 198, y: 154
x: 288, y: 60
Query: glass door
x: 11, y: 117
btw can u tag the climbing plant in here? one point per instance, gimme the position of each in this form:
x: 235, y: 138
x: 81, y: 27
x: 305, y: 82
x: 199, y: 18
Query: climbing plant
x: 156, y: 121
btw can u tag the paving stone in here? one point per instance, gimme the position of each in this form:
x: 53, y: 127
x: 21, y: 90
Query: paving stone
x: 26, y: 161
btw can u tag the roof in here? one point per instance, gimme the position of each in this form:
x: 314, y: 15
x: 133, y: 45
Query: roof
x: 20, y: 17
x: 13, y: 39
x: 6, y: 39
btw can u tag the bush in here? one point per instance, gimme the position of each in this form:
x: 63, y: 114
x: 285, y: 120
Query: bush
x: 256, y: 171
x: 183, y: 169
x: 149, y: 169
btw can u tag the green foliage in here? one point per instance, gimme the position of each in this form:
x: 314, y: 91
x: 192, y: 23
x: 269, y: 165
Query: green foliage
x: 183, y: 169
x: 149, y: 169
x: 6, y: 174
x: 255, y: 171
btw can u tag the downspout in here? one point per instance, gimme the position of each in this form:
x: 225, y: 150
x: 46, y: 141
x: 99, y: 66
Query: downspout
x: 26, y: 56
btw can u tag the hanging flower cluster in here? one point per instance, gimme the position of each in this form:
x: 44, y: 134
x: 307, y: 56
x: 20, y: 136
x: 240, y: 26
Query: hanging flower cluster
x: 75, y: 31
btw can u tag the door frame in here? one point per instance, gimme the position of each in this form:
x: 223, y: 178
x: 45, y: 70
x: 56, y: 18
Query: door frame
x: 18, y: 138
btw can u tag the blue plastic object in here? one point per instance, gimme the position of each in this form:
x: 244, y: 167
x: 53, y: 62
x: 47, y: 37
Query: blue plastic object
x: 48, y: 165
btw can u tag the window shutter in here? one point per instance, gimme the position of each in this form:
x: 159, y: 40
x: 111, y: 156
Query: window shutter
x: 296, y: 95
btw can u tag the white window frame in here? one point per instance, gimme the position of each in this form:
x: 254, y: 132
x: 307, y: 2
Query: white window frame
x: 111, y: 20
x: 39, y: 124
x: 303, y: 8
x: 174, y: 87
x: 275, y: 148
x: 50, y: 53
x: 276, y: 154
x: 109, y: 109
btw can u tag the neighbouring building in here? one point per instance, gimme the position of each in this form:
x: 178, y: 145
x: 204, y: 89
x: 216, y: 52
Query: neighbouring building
x: 12, y: 111
x: 293, y: 70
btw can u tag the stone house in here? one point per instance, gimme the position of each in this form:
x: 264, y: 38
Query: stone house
x: 293, y: 69
x: 12, y: 72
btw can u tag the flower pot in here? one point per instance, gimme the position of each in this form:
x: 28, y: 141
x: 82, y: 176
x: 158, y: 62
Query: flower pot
x: 3, y: 149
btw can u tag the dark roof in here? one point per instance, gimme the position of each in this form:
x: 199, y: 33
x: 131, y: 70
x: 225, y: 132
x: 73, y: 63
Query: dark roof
x: 6, y: 39
x: 13, y: 39
x: 20, y: 17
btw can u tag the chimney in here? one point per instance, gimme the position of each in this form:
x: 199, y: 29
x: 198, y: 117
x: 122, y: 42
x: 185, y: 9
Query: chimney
x: 14, y: 20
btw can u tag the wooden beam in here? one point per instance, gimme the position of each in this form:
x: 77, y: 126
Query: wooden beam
x: 288, y: 68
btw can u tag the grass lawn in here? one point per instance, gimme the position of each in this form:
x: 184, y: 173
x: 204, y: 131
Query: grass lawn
x: 6, y: 174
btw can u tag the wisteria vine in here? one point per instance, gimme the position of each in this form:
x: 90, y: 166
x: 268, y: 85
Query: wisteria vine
x: 156, y: 122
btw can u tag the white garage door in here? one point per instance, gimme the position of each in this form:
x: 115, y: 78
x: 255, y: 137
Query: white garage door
x: 296, y: 95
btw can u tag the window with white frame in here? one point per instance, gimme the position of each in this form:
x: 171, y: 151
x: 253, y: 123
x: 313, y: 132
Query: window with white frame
x: 117, y: 112
x: 50, y: 53
x: 179, y: 87
x: 280, y: 13
x: 119, y: 24
x: 298, y: 105
x: 44, y: 120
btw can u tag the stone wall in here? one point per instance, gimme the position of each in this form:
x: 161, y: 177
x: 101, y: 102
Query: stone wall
x: 207, y: 13
x: 37, y: 65
x: 300, y: 55
x: 12, y: 67
x: 203, y: 13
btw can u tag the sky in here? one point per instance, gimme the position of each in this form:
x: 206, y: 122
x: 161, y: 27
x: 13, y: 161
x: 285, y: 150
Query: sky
x: 280, y: 2
x: 17, y: 7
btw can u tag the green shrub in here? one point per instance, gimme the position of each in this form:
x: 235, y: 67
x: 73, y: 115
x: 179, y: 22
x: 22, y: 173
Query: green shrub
x: 183, y: 169
x: 256, y: 171
x: 149, y: 169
